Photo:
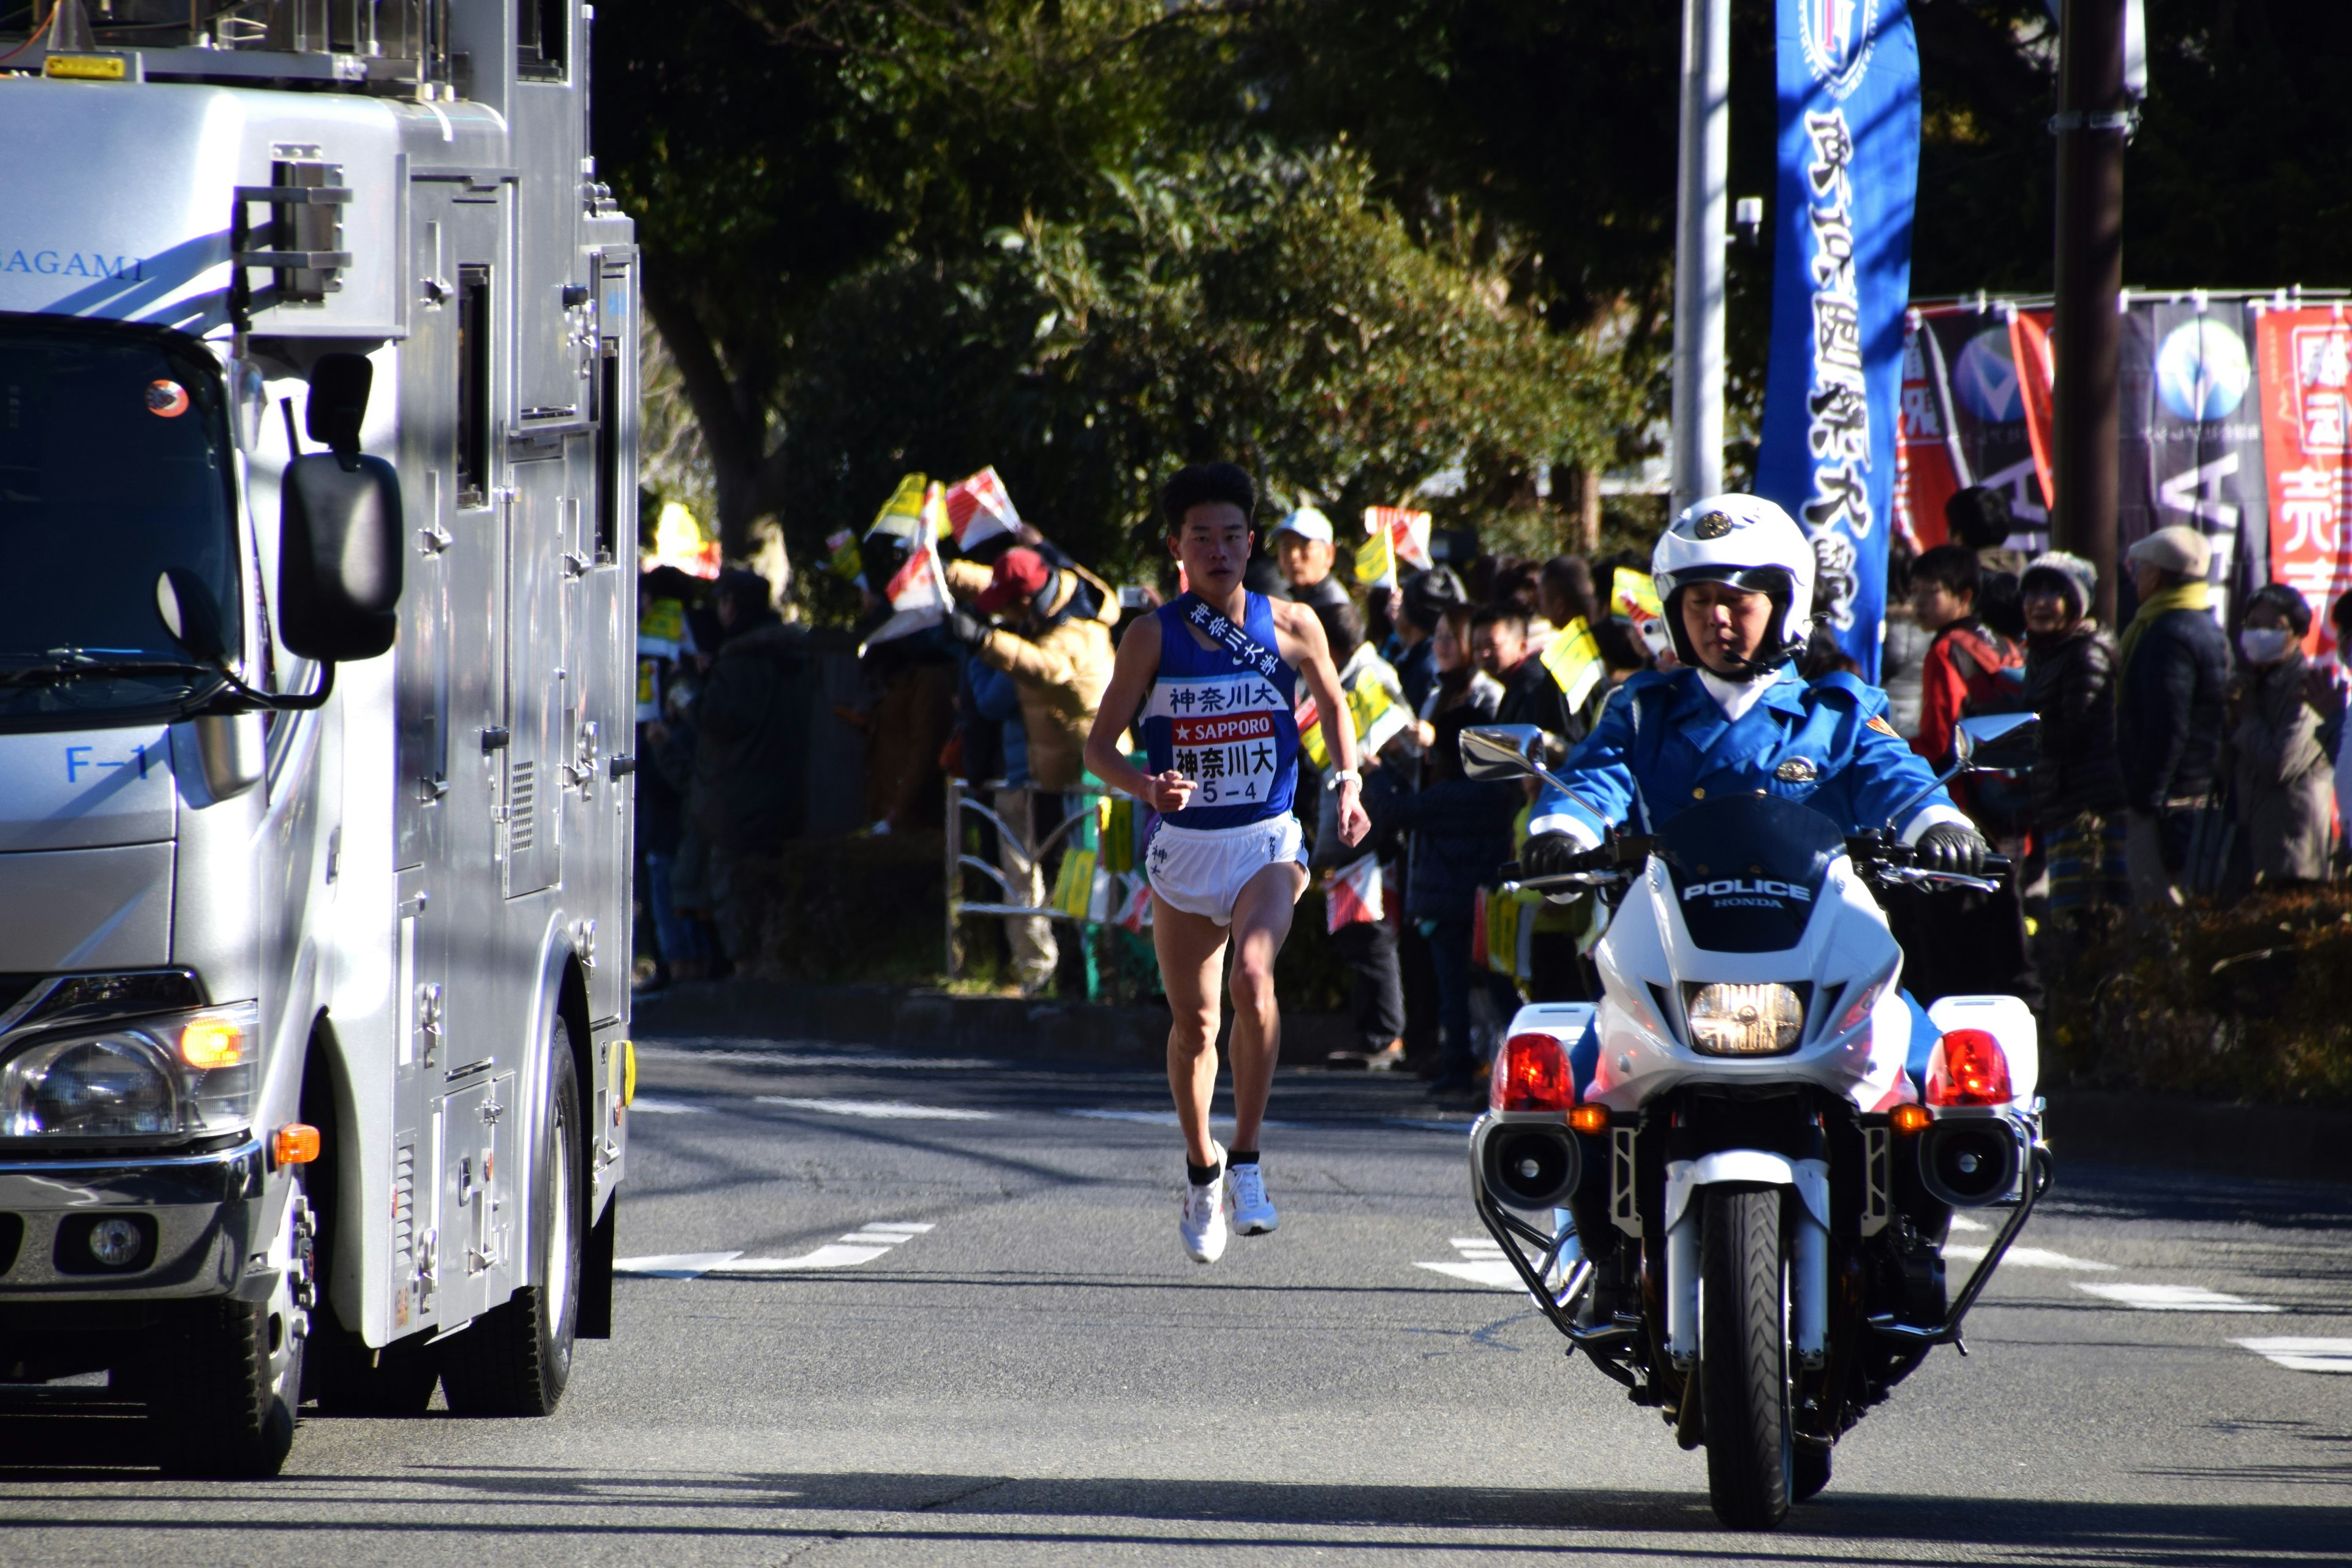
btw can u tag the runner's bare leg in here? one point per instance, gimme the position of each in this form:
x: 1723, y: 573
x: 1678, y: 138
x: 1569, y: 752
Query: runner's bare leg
x: 1191, y: 951
x: 1261, y: 925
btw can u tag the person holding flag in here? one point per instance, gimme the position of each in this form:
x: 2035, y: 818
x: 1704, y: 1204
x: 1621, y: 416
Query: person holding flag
x: 1212, y: 680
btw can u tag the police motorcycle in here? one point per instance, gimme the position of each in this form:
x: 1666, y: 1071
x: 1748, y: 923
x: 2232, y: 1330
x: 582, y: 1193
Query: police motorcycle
x: 1729, y: 1183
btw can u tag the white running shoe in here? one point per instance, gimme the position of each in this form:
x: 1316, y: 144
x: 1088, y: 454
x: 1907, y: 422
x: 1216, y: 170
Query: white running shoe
x: 1253, y: 1210
x: 1201, y: 1221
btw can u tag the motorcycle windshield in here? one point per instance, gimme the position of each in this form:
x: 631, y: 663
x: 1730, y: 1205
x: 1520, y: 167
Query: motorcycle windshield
x: 1746, y: 870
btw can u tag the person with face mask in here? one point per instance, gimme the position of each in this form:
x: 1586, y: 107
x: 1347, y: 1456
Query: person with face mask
x: 2285, y: 783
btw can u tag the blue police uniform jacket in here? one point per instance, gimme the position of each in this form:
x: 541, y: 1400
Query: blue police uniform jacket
x: 1663, y: 744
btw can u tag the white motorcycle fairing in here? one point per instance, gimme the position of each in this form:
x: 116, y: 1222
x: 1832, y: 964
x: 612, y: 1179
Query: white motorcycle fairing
x: 1856, y: 1035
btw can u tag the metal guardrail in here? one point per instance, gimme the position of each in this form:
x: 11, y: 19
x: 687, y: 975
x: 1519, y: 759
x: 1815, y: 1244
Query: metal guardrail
x: 964, y: 796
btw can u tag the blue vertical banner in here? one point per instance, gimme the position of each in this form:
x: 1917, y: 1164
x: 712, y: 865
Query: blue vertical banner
x: 1849, y: 175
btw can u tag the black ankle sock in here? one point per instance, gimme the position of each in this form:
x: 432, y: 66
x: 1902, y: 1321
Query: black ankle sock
x: 1241, y: 1157
x: 1201, y: 1175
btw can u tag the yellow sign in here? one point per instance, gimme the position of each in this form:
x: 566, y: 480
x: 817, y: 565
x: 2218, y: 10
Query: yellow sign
x: 87, y: 67
x: 1574, y: 660
x: 1634, y: 596
x: 904, y: 515
x: 1378, y: 719
x: 1074, y: 887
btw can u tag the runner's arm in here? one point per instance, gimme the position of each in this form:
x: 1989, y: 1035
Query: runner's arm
x: 1133, y: 672
x: 1322, y: 678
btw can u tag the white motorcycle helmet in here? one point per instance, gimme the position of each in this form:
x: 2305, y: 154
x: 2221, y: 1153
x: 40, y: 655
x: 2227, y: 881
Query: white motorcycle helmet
x: 1749, y: 542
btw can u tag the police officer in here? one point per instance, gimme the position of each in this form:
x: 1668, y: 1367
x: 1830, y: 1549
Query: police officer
x: 1735, y: 575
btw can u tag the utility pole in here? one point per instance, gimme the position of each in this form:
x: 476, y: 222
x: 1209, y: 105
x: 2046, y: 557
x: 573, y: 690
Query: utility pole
x: 1700, y: 211
x: 2092, y: 125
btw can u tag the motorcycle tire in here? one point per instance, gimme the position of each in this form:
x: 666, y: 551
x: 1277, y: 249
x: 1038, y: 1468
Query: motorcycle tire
x: 1743, y: 1357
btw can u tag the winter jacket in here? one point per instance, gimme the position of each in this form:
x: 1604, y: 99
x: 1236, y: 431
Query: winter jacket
x: 2284, y: 783
x: 1962, y: 675
x: 1461, y: 838
x: 1531, y: 695
x: 1062, y: 664
x: 2070, y: 682
x: 751, y: 719
x: 2168, y: 709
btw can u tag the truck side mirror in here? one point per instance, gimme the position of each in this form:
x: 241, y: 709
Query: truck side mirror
x: 339, y: 532
x: 1503, y: 751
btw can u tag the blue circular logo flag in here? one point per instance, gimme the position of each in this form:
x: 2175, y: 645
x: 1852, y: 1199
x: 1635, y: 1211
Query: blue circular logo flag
x: 2202, y: 371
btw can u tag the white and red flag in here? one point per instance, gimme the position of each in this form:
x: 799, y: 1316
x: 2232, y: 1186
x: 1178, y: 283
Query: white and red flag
x: 979, y: 509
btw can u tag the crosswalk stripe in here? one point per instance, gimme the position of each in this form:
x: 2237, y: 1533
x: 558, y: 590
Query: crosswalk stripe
x: 884, y: 1110
x: 2029, y: 1257
x: 2304, y: 1354
x: 672, y: 1265
x: 2171, y: 1298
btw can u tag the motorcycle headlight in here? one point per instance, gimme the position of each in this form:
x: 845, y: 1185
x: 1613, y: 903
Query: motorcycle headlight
x: 185, y: 1073
x: 1743, y: 1020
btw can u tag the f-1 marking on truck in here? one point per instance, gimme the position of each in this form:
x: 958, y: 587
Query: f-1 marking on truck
x: 318, y: 429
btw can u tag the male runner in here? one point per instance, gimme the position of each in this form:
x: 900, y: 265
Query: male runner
x: 1213, y: 682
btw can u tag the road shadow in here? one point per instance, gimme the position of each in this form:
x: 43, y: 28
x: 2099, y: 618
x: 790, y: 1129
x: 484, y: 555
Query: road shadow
x: 667, y: 1513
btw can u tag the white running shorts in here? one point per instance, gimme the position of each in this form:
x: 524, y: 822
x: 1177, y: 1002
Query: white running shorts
x: 1201, y: 870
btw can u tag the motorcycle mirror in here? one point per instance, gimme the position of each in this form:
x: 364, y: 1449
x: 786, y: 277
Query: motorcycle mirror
x: 1502, y: 752
x: 187, y: 608
x: 1997, y: 743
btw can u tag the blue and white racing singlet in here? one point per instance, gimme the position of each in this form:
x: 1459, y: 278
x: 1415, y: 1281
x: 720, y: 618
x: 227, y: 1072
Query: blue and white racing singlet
x: 1223, y: 716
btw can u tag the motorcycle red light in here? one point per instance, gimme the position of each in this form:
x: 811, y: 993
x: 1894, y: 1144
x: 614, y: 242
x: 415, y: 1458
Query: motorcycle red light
x: 1530, y: 1074
x: 1969, y: 1068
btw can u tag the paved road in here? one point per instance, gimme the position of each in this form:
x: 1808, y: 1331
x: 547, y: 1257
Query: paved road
x: 933, y: 1311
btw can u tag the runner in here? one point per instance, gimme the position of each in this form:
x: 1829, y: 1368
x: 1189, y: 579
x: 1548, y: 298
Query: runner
x: 1213, y: 680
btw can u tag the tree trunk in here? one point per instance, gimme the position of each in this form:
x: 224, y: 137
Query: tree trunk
x: 1576, y: 492
x: 732, y: 412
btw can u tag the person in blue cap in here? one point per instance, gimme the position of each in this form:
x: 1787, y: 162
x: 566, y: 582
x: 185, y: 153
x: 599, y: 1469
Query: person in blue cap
x: 1735, y: 577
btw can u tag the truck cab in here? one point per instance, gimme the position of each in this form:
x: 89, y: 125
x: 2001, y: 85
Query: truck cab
x: 318, y: 427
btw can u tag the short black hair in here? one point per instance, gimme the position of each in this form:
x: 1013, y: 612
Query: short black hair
x: 1979, y: 517
x: 1952, y: 567
x: 1506, y: 613
x: 2288, y: 603
x: 2339, y: 614
x: 1205, y: 484
x: 1343, y: 629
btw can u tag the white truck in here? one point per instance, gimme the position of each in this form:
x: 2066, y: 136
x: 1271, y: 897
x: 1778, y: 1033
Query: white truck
x: 318, y: 430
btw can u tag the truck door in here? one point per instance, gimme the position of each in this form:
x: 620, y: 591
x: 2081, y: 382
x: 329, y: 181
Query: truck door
x: 539, y: 523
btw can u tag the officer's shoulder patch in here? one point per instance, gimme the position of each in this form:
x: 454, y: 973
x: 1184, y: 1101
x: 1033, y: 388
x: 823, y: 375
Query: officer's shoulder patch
x: 1879, y: 723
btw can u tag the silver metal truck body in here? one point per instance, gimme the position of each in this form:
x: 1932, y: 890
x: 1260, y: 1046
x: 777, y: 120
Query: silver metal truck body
x: 409, y: 889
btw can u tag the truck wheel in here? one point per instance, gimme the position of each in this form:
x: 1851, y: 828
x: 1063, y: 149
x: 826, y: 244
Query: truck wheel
x: 515, y: 1358
x: 1743, y: 1357
x: 217, y: 1409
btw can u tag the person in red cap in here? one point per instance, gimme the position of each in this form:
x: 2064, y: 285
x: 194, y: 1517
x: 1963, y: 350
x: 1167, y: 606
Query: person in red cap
x: 1056, y: 648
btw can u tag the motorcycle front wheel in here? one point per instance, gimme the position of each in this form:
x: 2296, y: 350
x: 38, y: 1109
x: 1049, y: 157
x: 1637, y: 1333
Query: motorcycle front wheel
x: 1743, y: 1357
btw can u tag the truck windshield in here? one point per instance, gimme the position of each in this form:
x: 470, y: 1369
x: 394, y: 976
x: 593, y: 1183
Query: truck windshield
x: 114, y: 464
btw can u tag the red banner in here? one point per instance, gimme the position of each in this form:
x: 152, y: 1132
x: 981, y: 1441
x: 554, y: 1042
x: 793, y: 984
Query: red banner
x: 2303, y: 360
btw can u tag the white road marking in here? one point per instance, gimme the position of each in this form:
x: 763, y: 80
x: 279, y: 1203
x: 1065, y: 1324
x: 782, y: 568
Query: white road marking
x: 646, y: 1105
x: 1483, y: 1265
x: 861, y: 1246
x: 1155, y: 1118
x: 672, y: 1265
x: 2304, y: 1355
x: 885, y: 1109
x: 1419, y: 1125
x: 1961, y: 1221
x: 2172, y: 1297
x: 2029, y: 1257
x: 798, y: 1059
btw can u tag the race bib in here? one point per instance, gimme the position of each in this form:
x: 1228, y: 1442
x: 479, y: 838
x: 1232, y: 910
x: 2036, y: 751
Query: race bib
x: 1223, y: 728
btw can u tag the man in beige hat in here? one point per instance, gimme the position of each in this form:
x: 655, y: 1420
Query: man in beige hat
x: 2175, y: 668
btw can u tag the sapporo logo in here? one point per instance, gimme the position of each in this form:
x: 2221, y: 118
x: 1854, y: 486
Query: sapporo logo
x: 1838, y: 37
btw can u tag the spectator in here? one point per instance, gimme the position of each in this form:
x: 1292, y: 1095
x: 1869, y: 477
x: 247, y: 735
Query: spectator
x: 1304, y: 551
x: 1425, y: 597
x: 1969, y: 669
x: 1459, y: 681
x: 1979, y: 521
x: 1369, y: 948
x: 2174, y: 670
x: 1531, y: 694
x: 1059, y: 653
x: 1519, y: 585
x: 2331, y: 738
x: 751, y: 722
x: 1462, y: 835
x: 2285, y: 783
x: 1565, y: 591
x: 2078, y: 791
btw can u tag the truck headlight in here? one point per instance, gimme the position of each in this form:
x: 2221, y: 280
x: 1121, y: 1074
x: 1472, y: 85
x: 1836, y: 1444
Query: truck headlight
x: 184, y: 1073
x: 1743, y: 1020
